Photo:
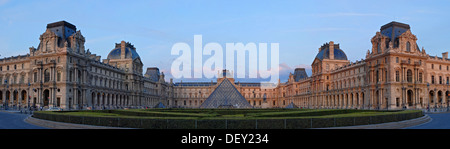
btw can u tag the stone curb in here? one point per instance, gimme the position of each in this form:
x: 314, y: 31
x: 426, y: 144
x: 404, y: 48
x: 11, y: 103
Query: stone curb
x: 390, y: 125
x: 61, y: 125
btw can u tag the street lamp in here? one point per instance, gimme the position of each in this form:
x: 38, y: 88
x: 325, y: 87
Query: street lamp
x: 199, y: 92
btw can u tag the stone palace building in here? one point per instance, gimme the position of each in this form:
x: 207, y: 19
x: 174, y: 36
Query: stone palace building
x: 60, y: 72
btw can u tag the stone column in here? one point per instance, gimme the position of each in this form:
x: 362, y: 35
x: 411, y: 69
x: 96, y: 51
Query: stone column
x: 3, y: 96
x: 11, y: 97
x: 435, y: 98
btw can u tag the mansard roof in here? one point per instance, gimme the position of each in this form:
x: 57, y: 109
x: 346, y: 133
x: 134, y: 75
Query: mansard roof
x: 394, y: 29
x: 299, y: 74
x: 130, y: 52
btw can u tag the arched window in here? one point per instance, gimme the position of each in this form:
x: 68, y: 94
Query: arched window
x: 408, y: 47
x: 409, y: 75
x: 46, y: 75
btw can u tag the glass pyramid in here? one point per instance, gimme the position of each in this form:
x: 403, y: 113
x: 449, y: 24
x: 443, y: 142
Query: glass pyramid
x: 291, y: 106
x: 160, y: 105
x: 225, y: 96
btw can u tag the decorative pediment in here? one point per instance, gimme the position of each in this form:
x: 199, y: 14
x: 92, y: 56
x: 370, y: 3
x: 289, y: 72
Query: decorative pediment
x: 48, y: 34
x: 138, y: 60
x: 409, y: 35
x: 77, y: 35
x: 316, y: 60
x: 377, y: 36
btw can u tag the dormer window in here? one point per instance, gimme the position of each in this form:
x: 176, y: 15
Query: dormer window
x: 408, y: 47
x: 379, y: 48
x: 47, y: 46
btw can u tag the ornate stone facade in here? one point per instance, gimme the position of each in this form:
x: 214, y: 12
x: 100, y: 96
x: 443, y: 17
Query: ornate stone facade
x: 60, y: 72
x: 395, y: 74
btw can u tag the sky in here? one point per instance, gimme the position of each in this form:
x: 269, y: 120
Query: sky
x: 154, y: 26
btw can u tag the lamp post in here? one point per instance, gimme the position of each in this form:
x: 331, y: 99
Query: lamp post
x: 28, y: 100
x: 428, y: 88
x: 6, y: 103
x: 200, y: 93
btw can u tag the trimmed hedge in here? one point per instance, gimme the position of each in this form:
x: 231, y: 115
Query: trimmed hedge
x: 196, y: 123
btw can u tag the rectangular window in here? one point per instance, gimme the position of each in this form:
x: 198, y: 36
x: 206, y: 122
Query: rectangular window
x: 70, y: 76
x: 58, y: 101
x: 447, y: 81
x: 22, y: 79
x: 397, y: 101
x: 397, y: 76
x: 420, y: 77
x: 58, y: 77
x: 432, y: 79
x: 440, y: 79
x: 35, y: 76
x: 385, y: 76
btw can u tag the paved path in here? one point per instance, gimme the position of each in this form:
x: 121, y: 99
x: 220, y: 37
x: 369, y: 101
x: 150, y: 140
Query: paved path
x: 61, y: 125
x: 389, y: 125
x: 439, y: 121
x: 10, y: 120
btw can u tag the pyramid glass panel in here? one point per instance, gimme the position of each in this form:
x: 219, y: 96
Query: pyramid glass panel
x: 225, y: 96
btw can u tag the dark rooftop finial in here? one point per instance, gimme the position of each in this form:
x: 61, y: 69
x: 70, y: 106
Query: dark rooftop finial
x: 62, y: 23
x: 396, y: 24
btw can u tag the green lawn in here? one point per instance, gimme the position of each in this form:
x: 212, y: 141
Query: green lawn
x: 228, y: 118
x: 228, y: 113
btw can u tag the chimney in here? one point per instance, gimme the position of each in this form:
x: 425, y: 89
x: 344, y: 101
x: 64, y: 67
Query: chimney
x: 331, y: 50
x: 122, y: 49
x: 445, y: 55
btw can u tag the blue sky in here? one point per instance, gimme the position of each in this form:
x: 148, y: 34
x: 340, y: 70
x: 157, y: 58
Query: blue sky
x: 300, y: 27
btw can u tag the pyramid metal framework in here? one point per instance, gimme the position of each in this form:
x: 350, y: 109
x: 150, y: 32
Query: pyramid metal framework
x: 225, y: 96
x: 291, y: 106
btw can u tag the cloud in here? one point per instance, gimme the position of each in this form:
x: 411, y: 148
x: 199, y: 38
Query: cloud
x: 3, y: 2
x: 320, y: 29
x: 100, y: 39
x: 347, y: 14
